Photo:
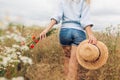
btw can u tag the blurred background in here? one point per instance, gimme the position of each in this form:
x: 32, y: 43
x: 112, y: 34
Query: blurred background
x: 38, y: 12
x: 21, y: 22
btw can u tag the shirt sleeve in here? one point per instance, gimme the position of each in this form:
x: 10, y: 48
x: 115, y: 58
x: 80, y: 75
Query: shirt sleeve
x: 85, y: 15
x: 58, y: 12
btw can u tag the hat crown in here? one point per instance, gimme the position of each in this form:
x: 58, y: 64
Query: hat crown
x: 91, y: 52
x: 91, y: 60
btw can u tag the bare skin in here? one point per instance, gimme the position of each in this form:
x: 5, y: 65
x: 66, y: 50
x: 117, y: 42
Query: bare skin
x: 67, y: 51
x: 73, y: 65
x: 70, y: 60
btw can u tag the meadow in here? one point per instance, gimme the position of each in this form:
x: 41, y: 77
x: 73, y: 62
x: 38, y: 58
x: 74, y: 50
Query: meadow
x: 45, y: 60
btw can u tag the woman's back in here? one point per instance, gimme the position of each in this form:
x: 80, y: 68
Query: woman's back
x: 72, y: 10
x: 74, y: 14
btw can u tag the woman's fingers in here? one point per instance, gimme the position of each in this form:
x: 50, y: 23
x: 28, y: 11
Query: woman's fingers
x: 42, y: 36
x: 95, y: 41
x: 92, y: 40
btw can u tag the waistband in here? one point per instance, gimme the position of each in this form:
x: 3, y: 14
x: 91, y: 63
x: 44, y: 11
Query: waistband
x: 72, y: 24
x: 75, y: 22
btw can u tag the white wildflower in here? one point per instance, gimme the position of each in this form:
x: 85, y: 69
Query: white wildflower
x: 24, y: 48
x: 18, y: 53
x: 15, y: 46
x: 3, y: 78
x: 2, y: 38
x: 13, y: 56
x: 23, y: 39
x: 12, y: 61
x: 19, y: 38
x: 10, y: 50
x: 8, y: 36
x: 26, y: 59
x: 5, y: 61
x: 18, y: 78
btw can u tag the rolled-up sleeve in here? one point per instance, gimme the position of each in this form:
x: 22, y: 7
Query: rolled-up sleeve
x: 58, y: 12
x: 85, y: 16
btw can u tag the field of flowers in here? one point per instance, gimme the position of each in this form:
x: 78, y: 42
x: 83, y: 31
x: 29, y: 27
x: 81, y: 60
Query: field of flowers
x: 43, y: 60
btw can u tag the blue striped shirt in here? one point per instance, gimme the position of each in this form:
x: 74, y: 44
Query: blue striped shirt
x: 73, y: 14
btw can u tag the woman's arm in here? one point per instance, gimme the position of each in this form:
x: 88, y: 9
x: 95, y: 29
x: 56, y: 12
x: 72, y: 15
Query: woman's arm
x: 55, y: 19
x: 86, y: 22
x: 91, y: 37
x: 43, y: 33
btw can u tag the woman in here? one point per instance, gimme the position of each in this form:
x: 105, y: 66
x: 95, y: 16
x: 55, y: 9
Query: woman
x: 75, y: 21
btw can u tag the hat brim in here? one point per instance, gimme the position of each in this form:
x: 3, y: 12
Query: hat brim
x: 97, y: 64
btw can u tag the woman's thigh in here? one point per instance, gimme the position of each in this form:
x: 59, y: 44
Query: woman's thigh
x: 67, y: 51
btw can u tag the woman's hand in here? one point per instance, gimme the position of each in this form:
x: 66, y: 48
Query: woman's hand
x: 92, y: 39
x: 43, y: 34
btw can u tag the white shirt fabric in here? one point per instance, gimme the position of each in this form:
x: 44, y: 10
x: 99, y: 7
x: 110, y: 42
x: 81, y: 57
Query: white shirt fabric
x: 73, y: 14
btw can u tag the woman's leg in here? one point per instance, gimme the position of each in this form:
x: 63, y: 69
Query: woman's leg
x: 73, y: 65
x: 67, y: 51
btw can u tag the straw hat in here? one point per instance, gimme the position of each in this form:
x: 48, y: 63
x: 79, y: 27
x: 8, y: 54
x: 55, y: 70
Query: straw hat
x: 92, y: 56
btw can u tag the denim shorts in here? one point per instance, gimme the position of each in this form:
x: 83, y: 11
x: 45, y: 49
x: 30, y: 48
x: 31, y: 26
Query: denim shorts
x: 70, y: 36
